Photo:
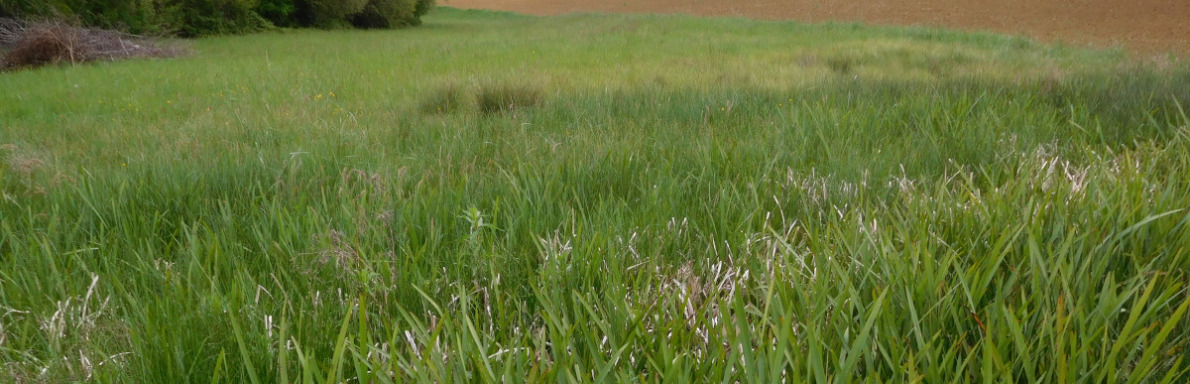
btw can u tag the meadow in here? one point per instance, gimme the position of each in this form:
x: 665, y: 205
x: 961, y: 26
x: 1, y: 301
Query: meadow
x: 494, y: 197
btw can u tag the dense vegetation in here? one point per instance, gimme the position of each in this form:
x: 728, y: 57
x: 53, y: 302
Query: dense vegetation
x: 211, y: 17
x: 598, y: 198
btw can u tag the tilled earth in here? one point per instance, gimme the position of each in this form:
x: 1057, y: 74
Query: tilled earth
x: 1144, y: 26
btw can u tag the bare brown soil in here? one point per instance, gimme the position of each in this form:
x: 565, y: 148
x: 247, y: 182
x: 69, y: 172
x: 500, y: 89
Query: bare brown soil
x: 1145, y: 26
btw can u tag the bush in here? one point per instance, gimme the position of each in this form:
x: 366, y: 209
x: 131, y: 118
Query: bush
x: 386, y: 14
x: 278, y: 12
x: 330, y: 13
x: 423, y: 7
x: 15, y: 8
x: 190, y: 18
x: 155, y: 17
x: 218, y: 17
x: 134, y: 16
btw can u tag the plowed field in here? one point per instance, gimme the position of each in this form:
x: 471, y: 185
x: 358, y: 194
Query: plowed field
x: 1147, y: 26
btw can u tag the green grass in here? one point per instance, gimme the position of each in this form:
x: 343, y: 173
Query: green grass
x: 670, y: 199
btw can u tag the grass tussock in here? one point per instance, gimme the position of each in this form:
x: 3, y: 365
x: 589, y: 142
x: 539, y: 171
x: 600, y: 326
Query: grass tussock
x: 444, y: 100
x: 507, y: 96
x: 489, y: 99
x: 841, y: 65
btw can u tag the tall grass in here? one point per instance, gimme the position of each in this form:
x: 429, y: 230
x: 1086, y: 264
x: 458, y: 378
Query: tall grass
x: 712, y: 203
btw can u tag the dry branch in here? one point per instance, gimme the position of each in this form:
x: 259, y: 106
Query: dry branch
x: 30, y: 45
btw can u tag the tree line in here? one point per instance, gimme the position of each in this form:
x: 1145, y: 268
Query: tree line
x: 191, y: 18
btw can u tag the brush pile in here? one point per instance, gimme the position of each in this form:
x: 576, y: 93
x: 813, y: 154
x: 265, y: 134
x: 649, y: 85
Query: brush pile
x: 31, y: 45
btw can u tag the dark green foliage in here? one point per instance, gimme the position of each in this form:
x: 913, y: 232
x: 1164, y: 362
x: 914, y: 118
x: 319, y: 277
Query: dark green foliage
x: 216, y: 17
x: 190, y: 18
x: 11, y: 8
x: 278, y: 12
x: 386, y: 14
x: 135, y: 16
x: 330, y: 13
x: 423, y: 7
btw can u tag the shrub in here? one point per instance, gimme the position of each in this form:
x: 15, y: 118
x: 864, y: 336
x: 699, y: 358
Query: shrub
x: 278, y: 12
x: 423, y: 7
x: 16, y: 8
x: 182, y: 17
x: 329, y: 13
x: 190, y: 18
x: 386, y: 14
x: 217, y: 17
x: 135, y: 16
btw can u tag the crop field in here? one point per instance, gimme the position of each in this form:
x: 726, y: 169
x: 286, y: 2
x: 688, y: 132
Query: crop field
x: 496, y: 197
x: 1146, y: 26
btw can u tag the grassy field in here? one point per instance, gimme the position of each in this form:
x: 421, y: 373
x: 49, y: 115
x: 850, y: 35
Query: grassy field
x: 595, y: 198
